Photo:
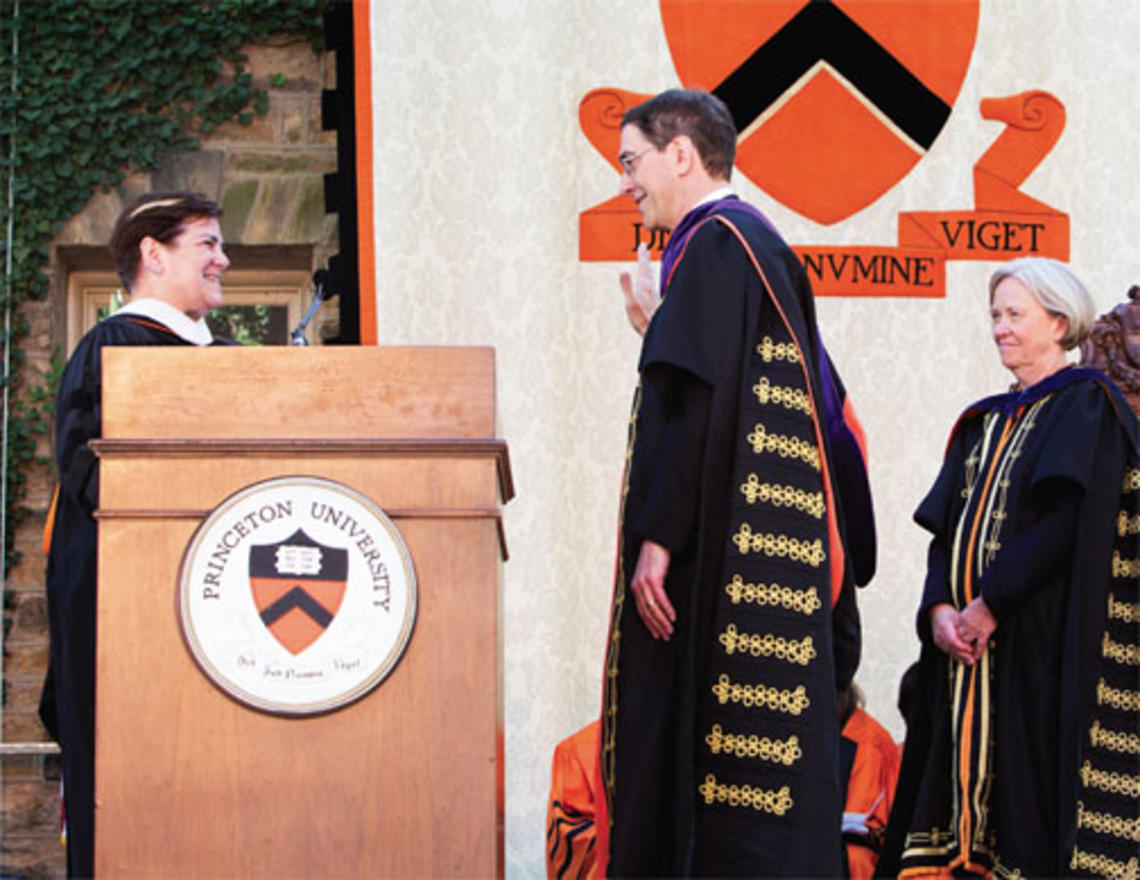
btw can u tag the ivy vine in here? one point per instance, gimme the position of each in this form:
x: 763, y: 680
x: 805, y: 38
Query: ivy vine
x: 94, y: 90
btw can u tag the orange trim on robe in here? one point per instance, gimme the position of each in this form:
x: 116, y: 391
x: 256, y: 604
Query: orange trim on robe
x: 49, y: 523
x: 856, y: 427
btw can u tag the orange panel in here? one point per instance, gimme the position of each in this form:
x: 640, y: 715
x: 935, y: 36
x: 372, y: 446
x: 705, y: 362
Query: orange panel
x: 933, y: 41
x: 366, y: 248
x: 797, y: 158
x: 709, y: 41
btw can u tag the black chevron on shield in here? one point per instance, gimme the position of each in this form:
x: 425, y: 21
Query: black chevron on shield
x: 823, y: 32
x: 296, y: 598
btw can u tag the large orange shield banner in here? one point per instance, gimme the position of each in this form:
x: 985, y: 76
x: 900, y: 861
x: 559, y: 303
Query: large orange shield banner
x: 834, y: 101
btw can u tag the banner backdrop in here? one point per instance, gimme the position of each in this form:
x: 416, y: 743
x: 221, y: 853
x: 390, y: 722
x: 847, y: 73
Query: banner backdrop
x: 904, y: 149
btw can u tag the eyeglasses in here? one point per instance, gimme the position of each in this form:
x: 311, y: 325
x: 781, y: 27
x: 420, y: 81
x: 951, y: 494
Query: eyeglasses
x: 628, y: 163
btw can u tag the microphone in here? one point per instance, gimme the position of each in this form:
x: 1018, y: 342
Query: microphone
x: 320, y: 278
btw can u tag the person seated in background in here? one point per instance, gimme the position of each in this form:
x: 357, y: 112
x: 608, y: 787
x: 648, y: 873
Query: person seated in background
x: 869, y: 770
x: 571, y: 838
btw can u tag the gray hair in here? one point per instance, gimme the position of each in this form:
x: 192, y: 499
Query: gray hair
x: 1057, y: 289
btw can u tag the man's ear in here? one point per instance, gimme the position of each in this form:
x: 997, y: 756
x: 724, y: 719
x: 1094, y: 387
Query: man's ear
x: 684, y: 156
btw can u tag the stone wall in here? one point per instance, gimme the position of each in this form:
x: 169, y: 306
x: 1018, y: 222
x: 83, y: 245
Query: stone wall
x: 268, y: 177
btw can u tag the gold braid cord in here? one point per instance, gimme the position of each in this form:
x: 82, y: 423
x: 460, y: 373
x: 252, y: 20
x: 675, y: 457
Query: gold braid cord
x: 800, y: 652
x: 769, y: 351
x: 609, y: 694
x: 789, y: 702
x: 1110, y: 781
x: 1117, y: 698
x: 784, y: 446
x: 1114, y: 740
x: 1127, y: 525
x: 1095, y: 863
x: 810, y: 553
x: 778, y: 751
x: 778, y: 495
x: 992, y: 526
x: 1129, y: 612
x: 804, y: 601
x: 1124, y: 568
x: 1127, y: 655
x: 1107, y: 823
x: 789, y: 398
x: 777, y: 802
x: 1132, y: 481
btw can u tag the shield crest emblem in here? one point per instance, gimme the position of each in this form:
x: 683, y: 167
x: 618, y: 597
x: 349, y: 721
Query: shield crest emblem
x: 298, y: 586
x: 834, y: 100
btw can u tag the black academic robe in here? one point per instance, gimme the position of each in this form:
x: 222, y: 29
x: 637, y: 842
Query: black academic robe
x: 719, y: 753
x: 1024, y: 513
x: 71, y: 571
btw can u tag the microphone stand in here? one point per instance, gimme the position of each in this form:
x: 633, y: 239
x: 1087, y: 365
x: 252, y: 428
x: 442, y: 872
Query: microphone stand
x: 297, y: 337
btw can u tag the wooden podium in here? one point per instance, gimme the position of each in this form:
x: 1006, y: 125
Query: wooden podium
x: 407, y: 780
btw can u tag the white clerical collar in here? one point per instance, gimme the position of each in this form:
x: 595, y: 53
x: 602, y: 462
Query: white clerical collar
x: 194, y: 332
x: 722, y: 192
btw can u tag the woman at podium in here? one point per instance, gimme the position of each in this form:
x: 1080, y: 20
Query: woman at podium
x: 167, y: 249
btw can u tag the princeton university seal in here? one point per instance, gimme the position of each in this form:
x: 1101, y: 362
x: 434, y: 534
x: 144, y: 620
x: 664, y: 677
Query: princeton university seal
x: 297, y: 595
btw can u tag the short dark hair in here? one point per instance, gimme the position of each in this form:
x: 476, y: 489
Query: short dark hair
x: 159, y: 215
x: 703, y: 117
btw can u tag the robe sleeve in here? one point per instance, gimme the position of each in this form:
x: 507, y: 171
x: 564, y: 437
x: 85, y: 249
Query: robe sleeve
x: 78, y: 420
x: 934, y: 515
x: 1029, y: 559
x: 683, y: 358
x: 846, y: 637
x: 79, y: 405
x: 936, y: 589
x: 1088, y: 427
x: 703, y: 306
x: 669, y: 515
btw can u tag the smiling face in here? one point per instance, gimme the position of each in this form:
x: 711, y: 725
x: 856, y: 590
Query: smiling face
x: 1028, y: 336
x: 650, y: 181
x: 190, y: 266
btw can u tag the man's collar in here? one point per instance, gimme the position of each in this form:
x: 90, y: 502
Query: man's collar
x: 721, y: 192
x: 194, y: 332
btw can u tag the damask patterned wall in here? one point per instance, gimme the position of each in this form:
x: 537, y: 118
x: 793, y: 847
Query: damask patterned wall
x: 480, y: 173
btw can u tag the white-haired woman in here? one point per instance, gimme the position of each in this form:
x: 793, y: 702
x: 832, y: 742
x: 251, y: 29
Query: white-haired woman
x: 1024, y: 570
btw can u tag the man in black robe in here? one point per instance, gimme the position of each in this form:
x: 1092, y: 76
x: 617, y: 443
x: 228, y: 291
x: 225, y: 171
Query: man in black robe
x: 167, y: 249
x: 746, y: 521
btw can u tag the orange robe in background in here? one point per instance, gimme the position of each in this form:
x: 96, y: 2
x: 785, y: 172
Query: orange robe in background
x: 571, y: 840
x: 870, y: 792
x: 571, y: 850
